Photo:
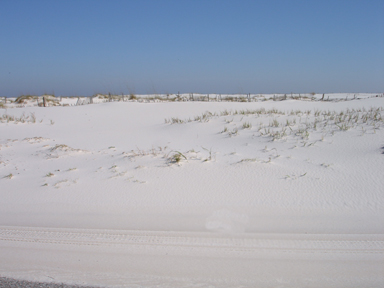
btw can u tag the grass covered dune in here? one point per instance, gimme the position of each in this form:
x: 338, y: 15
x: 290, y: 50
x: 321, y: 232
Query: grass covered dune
x: 170, y: 194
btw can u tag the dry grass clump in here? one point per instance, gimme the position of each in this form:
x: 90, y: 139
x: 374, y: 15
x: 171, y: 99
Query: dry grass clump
x: 6, y: 118
x: 65, y: 148
x: 177, y: 157
x: 294, y: 123
x: 9, y: 176
x: 25, y: 98
x: 61, y: 147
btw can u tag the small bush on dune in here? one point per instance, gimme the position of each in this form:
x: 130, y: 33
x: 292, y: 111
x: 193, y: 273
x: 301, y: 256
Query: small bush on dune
x: 23, y: 98
x: 177, y: 157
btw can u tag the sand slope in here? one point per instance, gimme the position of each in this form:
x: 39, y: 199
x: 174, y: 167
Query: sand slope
x: 268, y: 193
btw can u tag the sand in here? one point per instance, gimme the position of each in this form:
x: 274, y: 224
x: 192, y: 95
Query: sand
x: 194, y: 194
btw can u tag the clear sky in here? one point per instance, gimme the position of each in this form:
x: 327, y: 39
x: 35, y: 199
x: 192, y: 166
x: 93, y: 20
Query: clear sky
x: 79, y: 47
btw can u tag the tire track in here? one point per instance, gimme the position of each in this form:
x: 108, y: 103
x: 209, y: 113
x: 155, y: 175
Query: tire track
x: 191, y: 241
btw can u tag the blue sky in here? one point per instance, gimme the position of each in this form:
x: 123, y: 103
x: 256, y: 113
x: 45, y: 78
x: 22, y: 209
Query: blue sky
x: 78, y: 47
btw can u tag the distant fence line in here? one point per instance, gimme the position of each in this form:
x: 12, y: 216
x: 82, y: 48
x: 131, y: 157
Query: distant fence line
x: 197, y: 97
x: 50, y: 100
x: 214, y: 97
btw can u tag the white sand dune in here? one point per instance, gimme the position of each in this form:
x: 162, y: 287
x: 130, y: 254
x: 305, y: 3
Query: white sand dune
x: 195, y: 194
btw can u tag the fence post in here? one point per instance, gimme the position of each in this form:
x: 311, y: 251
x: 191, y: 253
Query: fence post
x: 44, y: 101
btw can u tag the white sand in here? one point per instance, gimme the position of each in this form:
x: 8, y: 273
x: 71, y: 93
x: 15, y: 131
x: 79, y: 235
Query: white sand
x: 90, y: 194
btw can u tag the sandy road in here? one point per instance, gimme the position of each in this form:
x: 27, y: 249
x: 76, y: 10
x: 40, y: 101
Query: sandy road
x: 117, y: 257
x: 235, y: 243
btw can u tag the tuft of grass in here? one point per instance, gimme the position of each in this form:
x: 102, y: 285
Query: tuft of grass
x: 209, y: 156
x: 248, y: 160
x: 177, y: 157
x: 275, y: 123
x: 9, y: 176
x: 6, y: 118
x: 49, y: 174
x: 234, y: 132
x: 33, y: 118
x: 60, y: 147
x: 247, y: 125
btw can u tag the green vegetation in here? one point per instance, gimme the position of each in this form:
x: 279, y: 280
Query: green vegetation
x: 176, y: 157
